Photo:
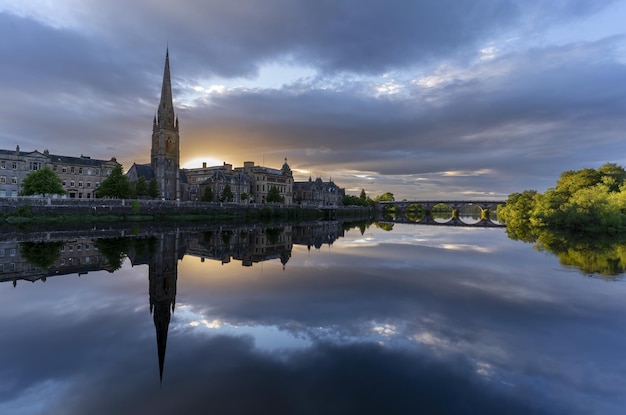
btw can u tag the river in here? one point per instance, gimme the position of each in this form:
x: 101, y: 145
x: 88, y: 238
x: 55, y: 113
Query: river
x: 313, y: 319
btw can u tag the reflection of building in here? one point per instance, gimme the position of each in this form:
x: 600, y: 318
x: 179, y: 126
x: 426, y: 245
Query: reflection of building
x: 317, y: 234
x: 162, y: 276
x: 75, y: 256
x: 246, y: 244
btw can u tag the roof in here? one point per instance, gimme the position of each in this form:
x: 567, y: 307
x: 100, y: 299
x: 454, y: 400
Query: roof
x: 143, y: 170
x: 82, y: 160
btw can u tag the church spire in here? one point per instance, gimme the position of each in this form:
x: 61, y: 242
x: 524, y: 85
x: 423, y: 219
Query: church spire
x: 166, y: 106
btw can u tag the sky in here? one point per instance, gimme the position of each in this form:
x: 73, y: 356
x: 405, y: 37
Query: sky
x: 425, y: 99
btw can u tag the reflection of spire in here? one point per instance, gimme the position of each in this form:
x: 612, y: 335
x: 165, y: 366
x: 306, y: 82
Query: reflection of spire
x: 163, y: 273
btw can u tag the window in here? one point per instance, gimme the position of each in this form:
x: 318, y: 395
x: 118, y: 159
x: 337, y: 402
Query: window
x: 72, y: 183
x: 72, y: 170
x: 88, y: 184
x: 97, y: 184
x: 35, y: 165
x: 80, y: 170
x: 14, y: 180
x: 1, y: 252
x: 3, y: 164
x: 14, y: 165
x: 89, y: 172
x: 80, y: 183
x: 64, y: 169
x: 64, y: 182
x: 3, y: 179
x: 54, y: 168
x: 12, y: 252
x: 97, y: 172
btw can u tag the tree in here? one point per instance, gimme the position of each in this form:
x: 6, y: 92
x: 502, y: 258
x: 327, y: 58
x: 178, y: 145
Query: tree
x: 363, y: 196
x: 385, y: 197
x: 116, y: 185
x: 42, y: 182
x: 273, y: 195
x: 244, y: 196
x: 141, y: 187
x: 227, y: 194
x: 153, y: 188
x: 41, y: 254
x: 207, y: 196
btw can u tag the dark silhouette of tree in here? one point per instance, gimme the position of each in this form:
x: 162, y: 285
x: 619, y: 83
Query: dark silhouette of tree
x: 141, y: 187
x: 207, y: 196
x: 41, y: 254
x: 153, y: 188
x: 227, y: 194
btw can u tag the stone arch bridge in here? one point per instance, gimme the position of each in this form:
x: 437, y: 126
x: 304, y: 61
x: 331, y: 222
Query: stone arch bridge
x: 401, y: 208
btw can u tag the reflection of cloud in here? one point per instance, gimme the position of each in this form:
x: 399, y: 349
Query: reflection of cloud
x: 464, y: 247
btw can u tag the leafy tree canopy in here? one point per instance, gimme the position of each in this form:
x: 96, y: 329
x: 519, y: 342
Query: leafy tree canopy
x: 116, y: 185
x: 227, y: 194
x: 385, y: 197
x: 42, y: 182
x: 587, y: 200
x: 273, y: 195
x: 207, y: 196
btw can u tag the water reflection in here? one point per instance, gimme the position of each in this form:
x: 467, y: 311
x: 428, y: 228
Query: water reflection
x: 386, y: 318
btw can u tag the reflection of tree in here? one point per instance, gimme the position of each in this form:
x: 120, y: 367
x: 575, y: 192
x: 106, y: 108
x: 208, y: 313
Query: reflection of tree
x: 384, y: 226
x: 597, y: 254
x: 114, y: 250
x: 41, y: 254
x: 273, y: 234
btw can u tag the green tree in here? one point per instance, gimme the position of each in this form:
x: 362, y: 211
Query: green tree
x: 42, y: 182
x: 363, y: 195
x: 273, y: 195
x: 385, y: 197
x: 227, y: 194
x: 116, y: 185
x: 153, y: 188
x: 244, y: 196
x: 141, y: 187
x: 207, y: 196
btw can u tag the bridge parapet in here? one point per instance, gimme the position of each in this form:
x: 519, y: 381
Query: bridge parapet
x: 454, y: 204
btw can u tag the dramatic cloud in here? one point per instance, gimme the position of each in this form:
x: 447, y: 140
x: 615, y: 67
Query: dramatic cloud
x: 403, y: 92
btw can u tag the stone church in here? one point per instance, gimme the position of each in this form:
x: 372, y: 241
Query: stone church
x: 164, y: 164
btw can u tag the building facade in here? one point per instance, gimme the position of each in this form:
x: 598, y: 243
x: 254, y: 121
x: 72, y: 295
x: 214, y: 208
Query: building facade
x: 80, y: 176
x: 317, y: 193
x: 262, y: 179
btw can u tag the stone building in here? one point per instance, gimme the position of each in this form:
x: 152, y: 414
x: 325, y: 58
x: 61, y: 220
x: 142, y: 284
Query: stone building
x: 164, y: 164
x: 80, y: 176
x: 262, y: 179
x: 317, y: 193
x: 165, y: 153
x: 216, y: 178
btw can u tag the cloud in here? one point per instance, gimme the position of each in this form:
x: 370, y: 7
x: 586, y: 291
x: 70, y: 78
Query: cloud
x: 404, y: 90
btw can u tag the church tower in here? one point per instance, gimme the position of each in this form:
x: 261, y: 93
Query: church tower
x: 165, y: 154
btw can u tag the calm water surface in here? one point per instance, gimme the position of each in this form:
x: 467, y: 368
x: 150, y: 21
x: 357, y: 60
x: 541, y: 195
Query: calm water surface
x: 305, y: 320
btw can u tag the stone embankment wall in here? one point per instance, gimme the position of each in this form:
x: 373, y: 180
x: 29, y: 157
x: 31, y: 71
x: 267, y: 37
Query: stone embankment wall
x: 44, y: 206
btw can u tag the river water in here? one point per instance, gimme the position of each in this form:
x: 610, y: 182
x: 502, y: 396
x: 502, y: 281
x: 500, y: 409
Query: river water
x: 328, y: 319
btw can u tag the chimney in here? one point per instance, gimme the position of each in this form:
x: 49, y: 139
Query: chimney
x: 204, y: 164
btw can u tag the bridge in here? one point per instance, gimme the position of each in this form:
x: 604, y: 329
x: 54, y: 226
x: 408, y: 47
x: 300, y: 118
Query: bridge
x: 420, y: 211
x: 428, y: 205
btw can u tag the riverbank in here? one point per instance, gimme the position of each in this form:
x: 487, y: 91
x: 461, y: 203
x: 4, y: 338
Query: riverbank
x: 47, y: 210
